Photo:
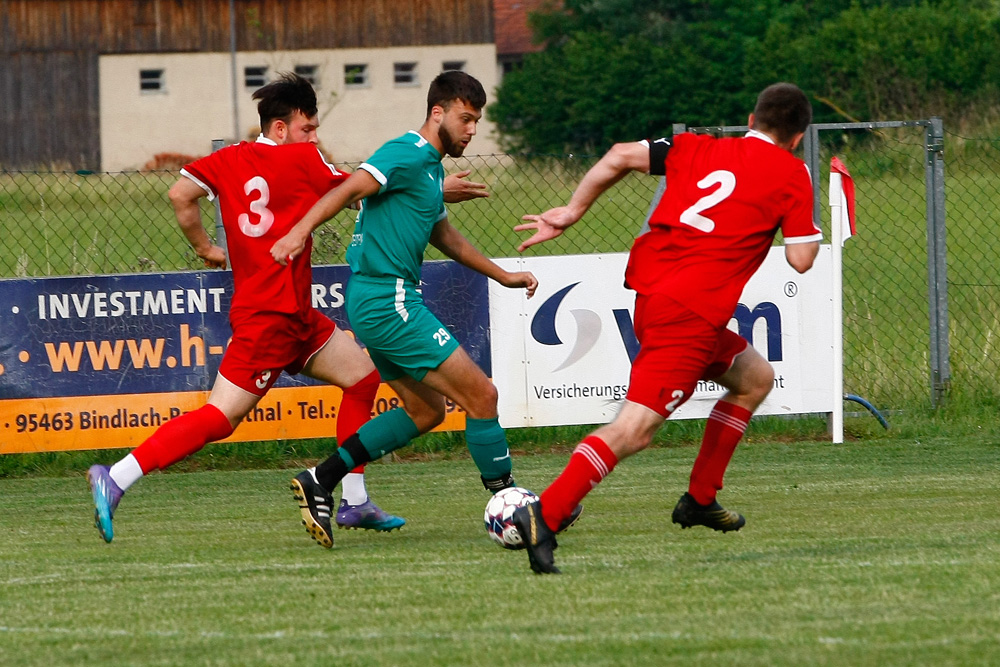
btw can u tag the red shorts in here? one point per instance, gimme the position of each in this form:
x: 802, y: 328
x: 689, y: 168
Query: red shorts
x: 264, y: 344
x: 677, y: 348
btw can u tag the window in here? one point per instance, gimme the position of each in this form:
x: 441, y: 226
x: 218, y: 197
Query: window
x: 356, y: 75
x: 150, y: 80
x: 255, y: 77
x: 405, y: 74
x: 310, y: 73
x: 453, y: 64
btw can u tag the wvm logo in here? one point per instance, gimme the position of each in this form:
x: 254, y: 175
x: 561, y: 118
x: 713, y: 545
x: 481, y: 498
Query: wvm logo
x: 589, y: 327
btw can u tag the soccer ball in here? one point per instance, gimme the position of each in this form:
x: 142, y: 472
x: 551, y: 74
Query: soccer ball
x: 500, y: 511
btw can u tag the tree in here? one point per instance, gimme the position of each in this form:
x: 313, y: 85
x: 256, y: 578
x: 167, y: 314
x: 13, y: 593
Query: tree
x: 621, y: 70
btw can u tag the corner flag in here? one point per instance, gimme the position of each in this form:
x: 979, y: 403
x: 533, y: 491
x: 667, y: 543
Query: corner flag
x: 842, y: 197
x: 841, y: 228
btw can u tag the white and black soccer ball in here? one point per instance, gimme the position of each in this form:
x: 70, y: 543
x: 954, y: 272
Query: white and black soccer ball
x: 500, y: 511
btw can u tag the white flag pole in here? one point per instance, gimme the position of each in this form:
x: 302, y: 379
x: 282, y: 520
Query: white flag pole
x: 836, y: 243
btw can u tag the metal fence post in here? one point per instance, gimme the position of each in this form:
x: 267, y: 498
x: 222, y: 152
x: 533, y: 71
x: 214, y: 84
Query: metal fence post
x: 810, y: 150
x: 220, y: 231
x: 937, y: 272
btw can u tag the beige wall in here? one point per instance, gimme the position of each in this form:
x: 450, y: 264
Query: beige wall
x: 195, y: 105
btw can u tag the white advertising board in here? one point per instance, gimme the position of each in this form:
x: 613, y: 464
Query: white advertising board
x: 563, y: 357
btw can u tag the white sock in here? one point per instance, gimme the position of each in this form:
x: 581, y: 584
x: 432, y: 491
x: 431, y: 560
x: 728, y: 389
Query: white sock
x: 126, y: 472
x: 352, y: 488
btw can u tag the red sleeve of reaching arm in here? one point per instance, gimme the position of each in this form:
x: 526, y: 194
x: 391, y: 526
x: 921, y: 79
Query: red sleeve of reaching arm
x: 797, y: 224
x: 203, y: 171
x: 324, y: 176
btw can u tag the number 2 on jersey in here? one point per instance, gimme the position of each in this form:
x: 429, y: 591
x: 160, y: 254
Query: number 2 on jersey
x: 258, y: 207
x: 692, y: 215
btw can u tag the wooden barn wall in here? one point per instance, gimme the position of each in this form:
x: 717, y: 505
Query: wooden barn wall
x: 49, y: 51
x: 49, y: 105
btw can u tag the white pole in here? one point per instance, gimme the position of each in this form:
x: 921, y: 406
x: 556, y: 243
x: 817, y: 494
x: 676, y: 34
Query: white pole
x: 836, y: 243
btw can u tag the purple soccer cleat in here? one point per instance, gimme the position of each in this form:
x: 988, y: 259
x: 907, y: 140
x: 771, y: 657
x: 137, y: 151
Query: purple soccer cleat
x: 106, y: 495
x: 368, y: 516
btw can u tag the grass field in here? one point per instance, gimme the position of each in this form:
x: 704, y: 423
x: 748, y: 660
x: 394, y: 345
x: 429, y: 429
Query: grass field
x: 870, y: 553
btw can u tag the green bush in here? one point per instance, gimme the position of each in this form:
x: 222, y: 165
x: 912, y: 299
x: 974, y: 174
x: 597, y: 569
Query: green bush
x: 626, y: 70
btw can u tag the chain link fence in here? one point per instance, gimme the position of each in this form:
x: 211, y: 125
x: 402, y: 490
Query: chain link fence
x: 97, y: 223
x: 887, y: 334
x: 901, y: 306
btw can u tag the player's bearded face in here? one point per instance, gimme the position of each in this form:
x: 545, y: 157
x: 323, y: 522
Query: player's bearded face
x: 458, y: 127
x: 302, y: 129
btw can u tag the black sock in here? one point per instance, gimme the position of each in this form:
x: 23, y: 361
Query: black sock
x: 494, y: 485
x: 350, y: 454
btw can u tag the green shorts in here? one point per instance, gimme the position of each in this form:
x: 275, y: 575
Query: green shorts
x: 403, y: 337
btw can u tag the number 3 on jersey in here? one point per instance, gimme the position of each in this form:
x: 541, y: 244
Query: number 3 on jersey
x: 692, y: 215
x: 258, y: 206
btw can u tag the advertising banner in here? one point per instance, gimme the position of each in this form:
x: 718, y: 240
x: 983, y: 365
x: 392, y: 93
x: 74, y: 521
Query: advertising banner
x: 566, y: 353
x: 100, y: 362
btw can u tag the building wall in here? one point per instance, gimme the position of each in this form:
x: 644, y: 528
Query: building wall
x: 195, y: 104
x: 49, y: 53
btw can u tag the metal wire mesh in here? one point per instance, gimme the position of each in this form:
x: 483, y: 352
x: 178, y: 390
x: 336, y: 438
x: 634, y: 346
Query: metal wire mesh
x: 886, y: 325
x: 972, y: 189
x: 89, y: 223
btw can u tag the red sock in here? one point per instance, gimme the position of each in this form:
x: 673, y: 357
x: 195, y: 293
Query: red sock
x: 723, y: 431
x: 182, y: 436
x: 591, y: 462
x: 356, y: 408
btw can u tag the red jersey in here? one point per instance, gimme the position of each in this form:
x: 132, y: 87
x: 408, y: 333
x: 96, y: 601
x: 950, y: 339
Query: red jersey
x: 263, y: 190
x: 725, y: 201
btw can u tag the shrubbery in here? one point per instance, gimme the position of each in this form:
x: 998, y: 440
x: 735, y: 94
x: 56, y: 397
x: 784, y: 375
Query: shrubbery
x: 628, y: 69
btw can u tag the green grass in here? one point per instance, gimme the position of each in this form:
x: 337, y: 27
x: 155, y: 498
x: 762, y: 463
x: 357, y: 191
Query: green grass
x: 432, y: 446
x: 868, y: 553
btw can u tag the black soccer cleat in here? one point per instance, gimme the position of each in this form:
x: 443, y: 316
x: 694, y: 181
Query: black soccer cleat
x: 538, y: 539
x: 571, y: 519
x: 315, y: 504
x: 689, y: 513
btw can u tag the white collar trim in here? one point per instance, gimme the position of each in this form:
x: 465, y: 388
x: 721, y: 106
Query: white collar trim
x: 261, y: 139
x: 759, y: 135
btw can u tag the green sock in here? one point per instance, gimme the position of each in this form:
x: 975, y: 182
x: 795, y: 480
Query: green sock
x: 487, y: 443
x: 387, y: 432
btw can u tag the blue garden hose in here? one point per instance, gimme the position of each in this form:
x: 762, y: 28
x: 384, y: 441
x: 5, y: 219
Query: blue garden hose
x: 871, y: 408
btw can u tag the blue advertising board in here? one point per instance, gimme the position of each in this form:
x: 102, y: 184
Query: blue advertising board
x: 81, y: 357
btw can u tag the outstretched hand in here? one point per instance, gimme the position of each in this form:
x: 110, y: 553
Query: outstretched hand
x: 457, y: 189
x: 546, y: 225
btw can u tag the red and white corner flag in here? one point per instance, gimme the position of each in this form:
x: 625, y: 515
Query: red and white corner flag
x: 841, y: 227
x: 842, y: 198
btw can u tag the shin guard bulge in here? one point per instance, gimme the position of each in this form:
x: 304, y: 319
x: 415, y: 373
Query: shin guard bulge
x: 182, y: 436
x: 592, y: 461
x: 356, y: 408
x: 723, y: 430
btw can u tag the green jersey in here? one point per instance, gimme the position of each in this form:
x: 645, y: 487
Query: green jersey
x: 394, y: 225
